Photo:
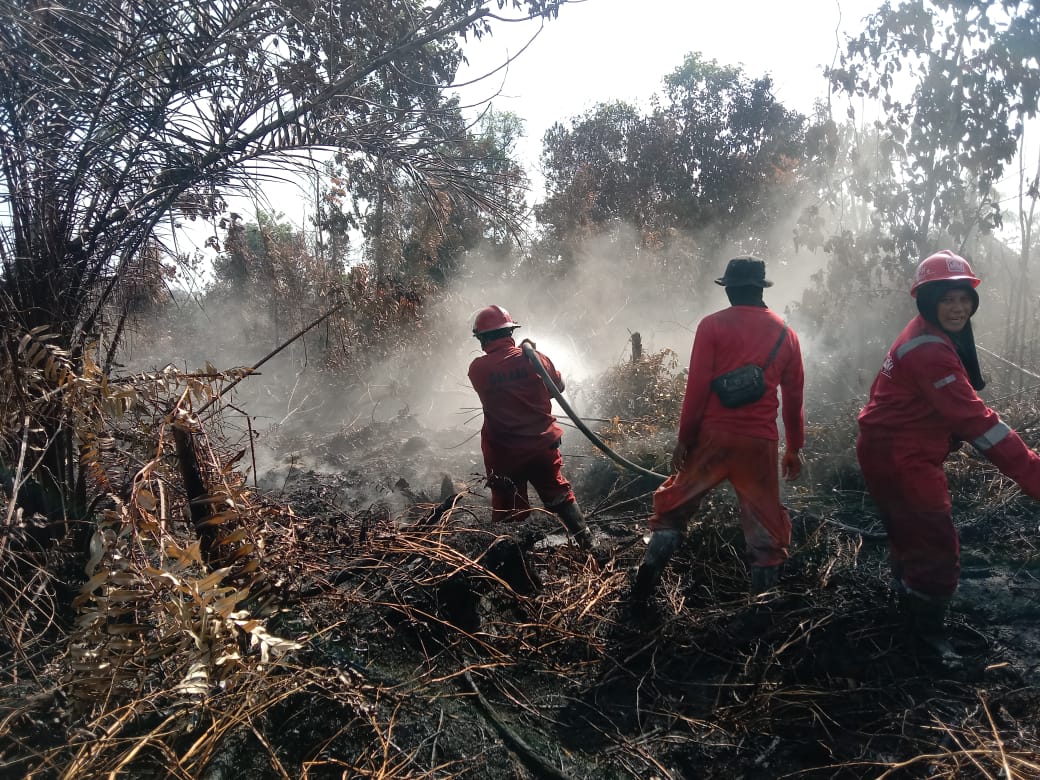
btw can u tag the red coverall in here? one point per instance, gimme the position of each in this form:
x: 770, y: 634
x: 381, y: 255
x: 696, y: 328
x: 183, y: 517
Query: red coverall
x: 739, y: 445
x: 921, y: 406
x: 520, y: 439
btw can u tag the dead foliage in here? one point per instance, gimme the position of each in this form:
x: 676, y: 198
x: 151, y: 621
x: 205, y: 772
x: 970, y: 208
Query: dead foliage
x: 640, y: 396
x: 332, y: 638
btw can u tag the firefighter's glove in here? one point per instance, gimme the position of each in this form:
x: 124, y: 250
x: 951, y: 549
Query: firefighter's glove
x: 528, y: 341
x: 792, y: 464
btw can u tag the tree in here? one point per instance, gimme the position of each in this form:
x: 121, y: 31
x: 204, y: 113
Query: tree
x: 953, y: 83
x: 969, y: 72
x: 734, y: 148
x: 116, y: 116
x: 411, y: 232
x: 715, y: 159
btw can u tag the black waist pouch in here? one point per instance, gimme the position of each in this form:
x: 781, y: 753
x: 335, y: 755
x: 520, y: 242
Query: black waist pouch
x: 740, y: 387
x: 747, y: 384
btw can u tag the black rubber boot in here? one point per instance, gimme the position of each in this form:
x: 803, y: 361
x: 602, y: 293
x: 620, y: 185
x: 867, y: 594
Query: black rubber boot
x: 663, y: 545
x: 926, y: 620
x: 764, y: 578
x: 572, y: 517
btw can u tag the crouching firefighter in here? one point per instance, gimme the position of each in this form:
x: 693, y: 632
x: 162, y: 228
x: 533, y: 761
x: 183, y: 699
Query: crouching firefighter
x: 520, y: 438
x: 922, y: 405
x: 728, y: 430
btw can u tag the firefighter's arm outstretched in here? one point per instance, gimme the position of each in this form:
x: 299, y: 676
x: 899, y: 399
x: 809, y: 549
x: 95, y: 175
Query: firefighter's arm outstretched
x: 942, y: 379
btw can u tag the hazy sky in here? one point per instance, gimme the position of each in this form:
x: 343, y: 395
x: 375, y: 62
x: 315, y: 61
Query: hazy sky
x: 603, y: 50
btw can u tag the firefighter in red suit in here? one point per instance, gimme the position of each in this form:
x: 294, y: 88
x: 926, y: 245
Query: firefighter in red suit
x: 717, y: 443
x: 922, y: 405
x: 520, y: 438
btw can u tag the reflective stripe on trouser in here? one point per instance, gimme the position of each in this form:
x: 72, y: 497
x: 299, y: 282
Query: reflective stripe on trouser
x: 751, y: 465
x: 909, y: 487
x: 509, y: 475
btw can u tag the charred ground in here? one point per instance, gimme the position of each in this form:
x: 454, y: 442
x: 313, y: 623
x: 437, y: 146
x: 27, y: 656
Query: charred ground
x: 418, y: 639
x: 814, y: 680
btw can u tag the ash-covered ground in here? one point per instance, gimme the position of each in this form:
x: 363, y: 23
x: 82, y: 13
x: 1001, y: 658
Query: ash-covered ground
x: 505, y: 651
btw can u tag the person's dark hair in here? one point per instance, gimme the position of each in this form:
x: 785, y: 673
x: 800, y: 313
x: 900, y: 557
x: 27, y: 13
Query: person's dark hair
x: 928, y: 297
x: 494, y: 335
x: 745, y: 295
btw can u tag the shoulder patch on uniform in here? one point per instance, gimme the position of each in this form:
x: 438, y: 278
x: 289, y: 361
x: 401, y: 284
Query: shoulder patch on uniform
x: 917, y: 341
x: 886, y: 367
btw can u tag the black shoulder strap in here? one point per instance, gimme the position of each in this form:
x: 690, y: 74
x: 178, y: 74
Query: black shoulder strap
x: 776, y: 347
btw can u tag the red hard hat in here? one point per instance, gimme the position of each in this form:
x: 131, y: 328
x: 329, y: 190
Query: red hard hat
x: 492, y: 318
x: 943, y: 266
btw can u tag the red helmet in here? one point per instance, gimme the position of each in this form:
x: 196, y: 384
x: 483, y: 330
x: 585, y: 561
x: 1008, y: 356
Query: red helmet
x: 492, y: 318
x: 943, y: 266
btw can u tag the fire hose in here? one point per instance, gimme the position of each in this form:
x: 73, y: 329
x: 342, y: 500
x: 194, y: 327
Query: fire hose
x: 550, y: 385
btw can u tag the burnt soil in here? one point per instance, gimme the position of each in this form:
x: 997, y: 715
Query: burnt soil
x: 434, y: 643
x: 506, y: 652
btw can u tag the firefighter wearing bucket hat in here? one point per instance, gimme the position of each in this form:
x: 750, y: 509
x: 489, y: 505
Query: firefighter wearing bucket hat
x: 922, y: 405
x: 732, y: 436
x: 520, y: 438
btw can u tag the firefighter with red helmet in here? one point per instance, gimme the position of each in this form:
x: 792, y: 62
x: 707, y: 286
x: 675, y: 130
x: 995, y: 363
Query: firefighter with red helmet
x: 922, y: 405
x: 520, y: 438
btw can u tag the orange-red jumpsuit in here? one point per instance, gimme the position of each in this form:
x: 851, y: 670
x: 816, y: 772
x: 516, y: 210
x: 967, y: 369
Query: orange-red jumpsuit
x: 738, y: 445
x: 921, y: 406
x: 520, y: 438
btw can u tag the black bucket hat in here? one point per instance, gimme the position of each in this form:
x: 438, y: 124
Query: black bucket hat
x: 745, y: 272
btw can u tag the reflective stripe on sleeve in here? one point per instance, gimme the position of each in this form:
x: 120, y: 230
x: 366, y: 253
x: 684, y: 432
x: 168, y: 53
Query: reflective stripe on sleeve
x: 944, y: 381
x: 993, y: 436
x: 916, y: 342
